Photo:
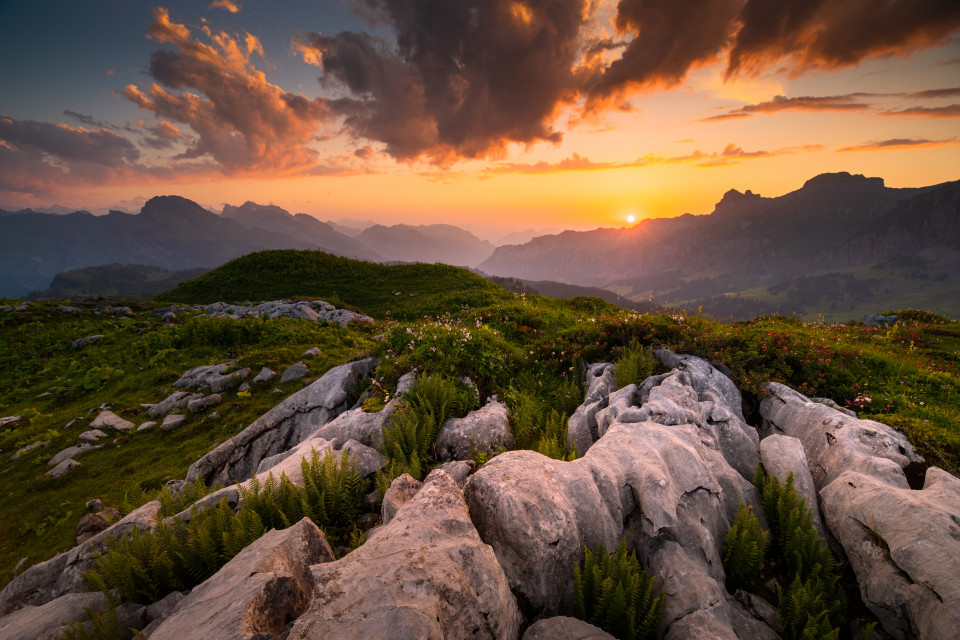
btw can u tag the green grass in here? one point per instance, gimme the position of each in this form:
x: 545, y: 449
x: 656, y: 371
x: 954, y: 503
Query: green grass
x: 401, y: 291
x: 526, y: 349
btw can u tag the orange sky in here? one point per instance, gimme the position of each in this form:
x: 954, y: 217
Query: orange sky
x: 228, y: 120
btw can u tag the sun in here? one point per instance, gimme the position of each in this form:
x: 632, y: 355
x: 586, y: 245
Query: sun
x: 631, y: 218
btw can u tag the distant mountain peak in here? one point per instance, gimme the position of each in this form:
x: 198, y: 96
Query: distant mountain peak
x: 842, y: 178
x: 167, y: 206
x: 735, y: 196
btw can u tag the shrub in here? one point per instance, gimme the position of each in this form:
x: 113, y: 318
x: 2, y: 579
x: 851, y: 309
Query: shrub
x: 744, y: 551
x: 636, y: 364
x: 616, y: 594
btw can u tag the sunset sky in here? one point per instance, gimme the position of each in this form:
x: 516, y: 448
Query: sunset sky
x: 492, y: 114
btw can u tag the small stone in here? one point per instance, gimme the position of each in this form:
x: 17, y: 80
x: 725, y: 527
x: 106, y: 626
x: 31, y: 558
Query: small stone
x: 201, y: 404
x: 93, y: 435
x: 169, y: 316
x: 93, y: 523
x: 69, y: 453
x: 82, y: 342
x: 147, y: 425
x: 29, y: 448
x: 294, y: 372
x: 275, y: 390
x: 9, y: 420
x: 214, y: 415
x: 110, y: 419
x: 244, y: 387
x: 71, y: 423
x: 95, y: 505
x: 20, y: 567
x: 172, y: 421
x: 63, y: 468
x: 313, y: 351
x: 265, y: 375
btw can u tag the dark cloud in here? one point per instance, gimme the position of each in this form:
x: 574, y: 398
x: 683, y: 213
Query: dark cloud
x: 464, y: 78
x: 948, y: 111
x: 901, y: 143
x: 90, y: 121
x: 242, y: 121
x: 830, y: 34
x: 164, y: 135
x: 668, y: 38
x: 937, y: 93
x: 849, y: 102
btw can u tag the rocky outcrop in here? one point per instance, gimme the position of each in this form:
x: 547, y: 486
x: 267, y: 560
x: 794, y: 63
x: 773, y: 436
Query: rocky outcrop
x: 281, y: 428
x: 357, y: 424
x: 314, y: 310
x: 564, y: 628
x: 484, y: 431
x: 215, y: 378
x: 835, y: 442
x: 44, y: 622
x: 401, y: 491
x: 782, y: 456
x: 60, y: 575
x: 427, y: 574
x: 582, y: 425
x: 904, y: 547
x: 63, y: 469
x: 257, y: 593
x: 110, y: 419
x: 176, y: 400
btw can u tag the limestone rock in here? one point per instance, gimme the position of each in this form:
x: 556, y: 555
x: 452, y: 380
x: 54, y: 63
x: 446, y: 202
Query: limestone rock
x: 44, y: 622
x: 213, y: 377
x: 357, y: 424
x: 110, y: 419
x: 904, y: 547
x: 313, y: 352
x: 93, y: 523
x: 564, y: 628
x: 92, y: 436
x: 204, y: 403
x: 69, y: 453
x: 599, y: 382
x: 401, y: 491
x: 82, y: 342
x: 172, y: 421
x: 486, y: 431
x: 425, y: 575
x: 265, y: 375
x: 294, y: 372
x: 835, y: 442
x: 176, y: 400
x: 281, y: 428
x: 459, y: 469
x: 9, y: 420
x: 47, y: 580
x: 257, y: 593
x: 147, y: 425
x: 783, y: 455
x: 63, y: 469
x: 30, y: 447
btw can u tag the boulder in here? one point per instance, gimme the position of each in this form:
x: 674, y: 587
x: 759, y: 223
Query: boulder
x: 30, y: 447
x: 204, y: 403
x: 110, y: 419
x: 9, y: 420
x: 63, y: 469
x: 93, y: 523
x: 425, y: 575
x: 484, y: 431
x: 357, y: 424
x: 904, y: 547
x: 147, y: 425
x: 69, y: 453
x: 564, y: 628
x: 82, y: 342
x: 176, y: 400
x: 172, y: 421
x: 92, y: 435
x: 213, y: 377
x: 255, y: 595
x: 294, y: 372
x: 47, y: 580
x: 459, y: 469
x: 313, y: 352
x: 44, y: 622
x: 783, y: 455
x: 283, y: 427
x: 265, y: 375
x: 835, y: 442
x: 401, y: 491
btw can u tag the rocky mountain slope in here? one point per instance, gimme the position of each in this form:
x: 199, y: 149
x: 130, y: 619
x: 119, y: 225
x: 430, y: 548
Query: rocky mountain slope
x: 426, y: 243
x: 489, y: 552
x: 834, y: 223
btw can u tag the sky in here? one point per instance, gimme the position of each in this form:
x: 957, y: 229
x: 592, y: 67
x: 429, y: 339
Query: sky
x: 496, y: 115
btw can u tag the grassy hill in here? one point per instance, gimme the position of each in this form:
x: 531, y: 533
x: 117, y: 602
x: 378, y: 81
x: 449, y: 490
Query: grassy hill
x: 405, y: 290
x: 527, y: 349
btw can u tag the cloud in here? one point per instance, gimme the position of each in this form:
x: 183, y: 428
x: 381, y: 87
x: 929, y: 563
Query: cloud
x: 849, y: 102
x: 949, y: 111
x: 827, y: 34
x: 164, y: 135
x: 463, y: 79
x: 937, y: 93
x: 243, y: 122
x: 731, y: 154
x: 90, y: 121
x: 227, y: 5
x: 901, y: 143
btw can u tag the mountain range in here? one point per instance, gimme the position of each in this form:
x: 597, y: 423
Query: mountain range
x: 174, y: 233
x: 851, y: 228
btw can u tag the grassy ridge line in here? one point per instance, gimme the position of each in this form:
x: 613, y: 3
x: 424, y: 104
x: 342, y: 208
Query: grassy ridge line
x: 368, y: 286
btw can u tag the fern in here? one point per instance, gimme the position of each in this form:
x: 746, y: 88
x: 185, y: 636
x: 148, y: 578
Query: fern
x: 744, y: 551
x: 100, y: 624
x: 171, y: 504
x: 636, y: 364
x: 615, y: 594
x: 553, y: 439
